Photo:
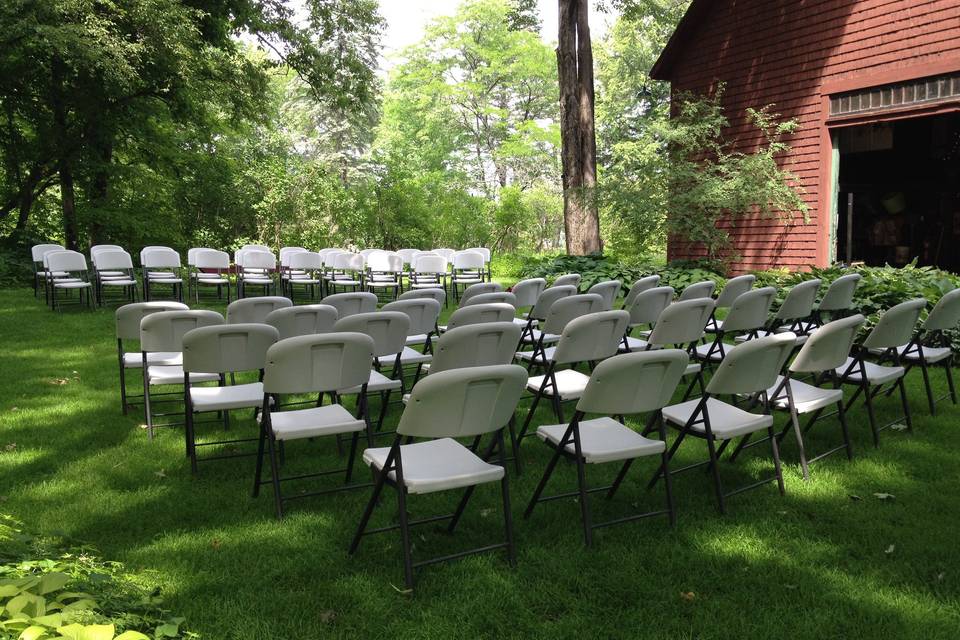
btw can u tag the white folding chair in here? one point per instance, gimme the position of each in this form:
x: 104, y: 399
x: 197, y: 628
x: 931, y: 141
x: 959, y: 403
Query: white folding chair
x: 348, y: 304
x: 161, y: 268
x: 115, y: 271
x: 463, y: 403
x: 257, y: 272
x: 66, y: 271
x: 128, y: 319
x: 303, y: 320
x: 255, y: 310
x: 212, y: 269
x: 36, y: 255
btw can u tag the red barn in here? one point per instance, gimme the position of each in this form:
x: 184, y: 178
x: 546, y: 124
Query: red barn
x: 875, y: 86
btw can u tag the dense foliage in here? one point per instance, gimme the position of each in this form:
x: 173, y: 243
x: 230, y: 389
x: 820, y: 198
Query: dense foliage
x: 52, y: 589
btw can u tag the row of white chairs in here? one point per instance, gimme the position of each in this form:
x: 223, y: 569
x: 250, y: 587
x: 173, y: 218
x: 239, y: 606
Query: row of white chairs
x: 480, y: 395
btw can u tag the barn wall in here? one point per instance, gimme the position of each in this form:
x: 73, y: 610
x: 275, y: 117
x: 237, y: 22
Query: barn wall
x: 789, y: 52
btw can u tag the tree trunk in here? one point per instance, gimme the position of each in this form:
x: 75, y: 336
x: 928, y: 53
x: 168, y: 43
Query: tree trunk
x: 99, y: 190
x: 579, y: 151
x: 64, y: 168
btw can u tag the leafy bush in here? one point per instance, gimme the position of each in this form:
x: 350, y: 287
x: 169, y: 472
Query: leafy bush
x: 598, y: 268
x: 50, y: 589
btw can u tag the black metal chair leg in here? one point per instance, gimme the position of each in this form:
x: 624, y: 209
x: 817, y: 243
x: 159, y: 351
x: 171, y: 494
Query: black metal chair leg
x: 776, y: 458
x: 868, y: 400
x: 715, y: 471
x: 905, y: 403
x: 275, y: 475
x: 582, y: 488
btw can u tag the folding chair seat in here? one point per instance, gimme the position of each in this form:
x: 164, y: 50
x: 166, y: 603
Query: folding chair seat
x: 698, y: 290
x: 389, y: 332
x: 748, y: 315
x: 561, y: 312
x: 626, y: 384
x: 321, y: 364
x: 644, y: 309
x: 734, y: 288
x: 304, y: 320
x: 894, y: 329
x: 586, y: 338
x: 128, y: 319
x: 255, y: 310
x: 748, y: 369
x: 819, y: 356
x: 638, y: 287
x: 348, y: 304
x: 222, y: 349
x: 162, y: 332
x: 567, y: 280
x: 461, y: 403
x: 608, y: 292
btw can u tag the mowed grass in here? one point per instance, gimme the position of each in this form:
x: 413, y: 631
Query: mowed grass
x: 828, y: 560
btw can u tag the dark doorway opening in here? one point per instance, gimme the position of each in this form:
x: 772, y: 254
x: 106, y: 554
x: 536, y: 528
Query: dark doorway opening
x: 904, y: 176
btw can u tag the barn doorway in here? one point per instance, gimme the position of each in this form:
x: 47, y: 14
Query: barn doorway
x: 904, y: 179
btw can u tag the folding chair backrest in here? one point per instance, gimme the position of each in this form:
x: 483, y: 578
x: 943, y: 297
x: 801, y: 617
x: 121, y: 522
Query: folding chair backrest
x: 478, y: 289
x: 97, y: 249
x: 211, y: 259
x: 160, y: 258
x: 592, y: 337
x: 304, y: 260
x: 482, y: 251
x: 318, y: 363
x: 289, y: 251
x: 682, y: 322
x: 828, y: 347
x: 608, y: 291
x: 753, y: 365
x: 227, y: 347
x: 945, y: 314
x: 632, y: 383
x: 567, y: 280
x: 468, y: 260
x: 435, y: 294
x: 164, y: 330
x: 638, y: 287
x: 486, y: 298
x: 547, y: 299
x: 476, y: 345
x: 430, y: 263
x: 527, y: 291
x: 145, y: 250
x: 113, y: 259
x: 463, y: 402
x: 37, y: 250
x: 69, y: 261
x: 481, y: 313
x: 566, y: 309
x: 256, y: 259
x: 305, y: 320
x: 648, y: 305
x: 347, y: 304
x: 896, y: 326
x: 799, y: 301
x: 330, y: 257
x: 247, y: 310
x: 446, y: 254
x: 128, y: 316
x: 384, y: 262
x: 698, y: 290
x: 734, y: 288
x: 750, y: 311
x: 257, y: 247
x: 369, y: 252
x: 389, y: 329
x: 407, y: 255
x: 423, y: 314
x: 192, y: 253
x: 839, y: 295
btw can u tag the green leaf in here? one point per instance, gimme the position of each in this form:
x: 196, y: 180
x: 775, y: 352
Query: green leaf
x: 132, y: 635
x: 33, y: 632
x: 8, y: 590
x: 52, y: 582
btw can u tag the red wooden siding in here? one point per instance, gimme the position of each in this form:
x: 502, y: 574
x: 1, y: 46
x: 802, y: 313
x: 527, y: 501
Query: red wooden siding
x: 793, y: 53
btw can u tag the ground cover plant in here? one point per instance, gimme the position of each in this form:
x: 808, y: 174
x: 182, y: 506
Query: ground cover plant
x: 865, y: 549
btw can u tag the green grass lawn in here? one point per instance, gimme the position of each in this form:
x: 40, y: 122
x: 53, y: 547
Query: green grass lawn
x: 828, y: 560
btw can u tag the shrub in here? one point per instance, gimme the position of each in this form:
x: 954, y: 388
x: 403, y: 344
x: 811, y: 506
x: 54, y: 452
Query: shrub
x: 53, y: 589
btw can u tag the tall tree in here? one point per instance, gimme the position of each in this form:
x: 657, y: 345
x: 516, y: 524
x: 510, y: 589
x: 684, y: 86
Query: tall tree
x: 579, y: 146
